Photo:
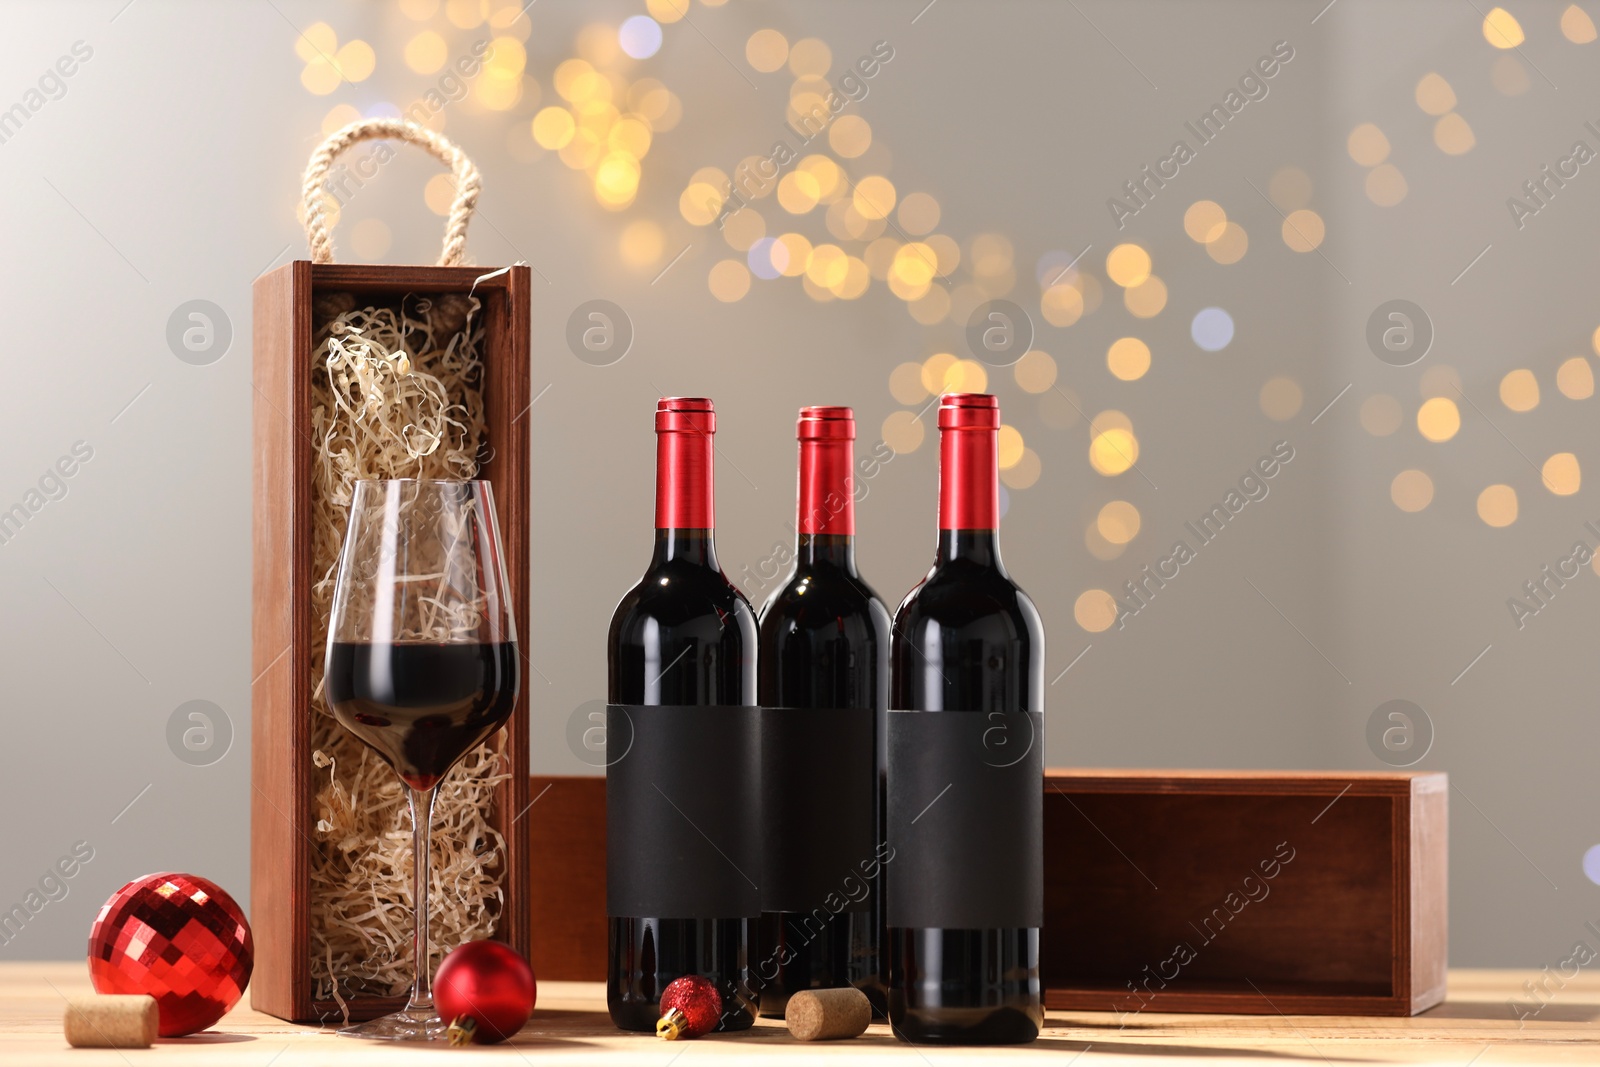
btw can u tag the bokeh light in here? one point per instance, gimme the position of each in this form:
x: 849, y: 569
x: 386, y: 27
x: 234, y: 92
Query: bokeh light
x: 1381, y: 414
x: 1434, y: 94
x: 640, y: 36
x: 1453, y: 136
x: 1561, y: 474
x: 1576, y: 25
x: 1113, y: 451
x: 902, y: 431
x: 1281, y: 399
x: 1128, y: 358
x: 1095, y: 610
x: 850, y: 136
x: 1411, y: 490
x: 1438, y: 419
x: 1230, y: 246
x: 905, y: 384
x: 1128, y: 265
x: 766, y: 50
x: 1289, y: 188
x: 1145, y: 300
x: 1575, y: 378
x: 1035, y: 372
x: 1118, y: 522
x: 1212, y: 329
x: 1497, y: 505
x: 1367, y: 145
x: 1501, y: 29
x: 1519, y: 390
x: 1386, y: 186
x: 1204, y: 221
x: 1303, y: 230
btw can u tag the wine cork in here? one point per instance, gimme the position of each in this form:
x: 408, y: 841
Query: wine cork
x: 827, y: 1014
x: 111, y: 1021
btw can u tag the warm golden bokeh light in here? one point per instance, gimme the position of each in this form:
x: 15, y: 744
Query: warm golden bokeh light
x: 1453, y: 136
x: 1575, y: 379
x: 1386, y: 186
x: 798, y: 192
x: 743, y: 229
x: 1561, y: 474
x: 902, y: 431
x: 1501, y: 29
x: 1411, y: 490
x: 1024, y: 472
x: 1230, y: 246
x: 1008, y: 446
x: 905, y: 384
x: 700, y: 203
x: 1519, y: 390
x: 1128, y: 265
x: 1061, y: 305
x: 1118, y: 522
x: 440, y: 193
x: 553, y: 128
x: 1290, y: 188
x: 1145, y: 300
x: 1095, y: 610
x: 874, y: 197
x: 1281, y: 399
x: 850, y: 136
x: 1509, y: 76
x: 934, y: 370
x: 1434, y: 94
x: 729, y: 280
x: 1497, y: 505
x: 641, y: 243
x: 1035, y: 372
x: 966, y: 376
x: 1576, y: 25
x: 1204, y: 221
x: 1113, y: 451
x: 426, y: 52
x: 667, y: 12
x: 919, y: 214
x: 1303, y: 230
x: 1438, y: 419
x: 766, y: 50
x: 1128, y: 358
x: 810, y: 57
x: 1367, y: 145
x: 1380, y: 414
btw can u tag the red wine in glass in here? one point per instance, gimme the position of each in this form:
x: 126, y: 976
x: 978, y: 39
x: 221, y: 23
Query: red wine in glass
x: 422, y: 662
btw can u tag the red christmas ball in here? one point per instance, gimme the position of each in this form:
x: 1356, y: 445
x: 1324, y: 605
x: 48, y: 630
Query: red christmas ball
x: 179, y: 939
x: 485, y: 990
x: 690, y: 1007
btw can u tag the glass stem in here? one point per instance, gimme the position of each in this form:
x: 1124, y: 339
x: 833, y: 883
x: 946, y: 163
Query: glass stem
x: 421, y: 1001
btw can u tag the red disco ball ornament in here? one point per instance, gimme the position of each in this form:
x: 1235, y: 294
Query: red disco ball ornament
x: 485, y: 991
x: 179, y: 939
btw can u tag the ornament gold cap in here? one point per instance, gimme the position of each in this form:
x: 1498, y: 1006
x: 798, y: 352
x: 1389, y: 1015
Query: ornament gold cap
x: 672, y: 1025
x: 461, y: 1031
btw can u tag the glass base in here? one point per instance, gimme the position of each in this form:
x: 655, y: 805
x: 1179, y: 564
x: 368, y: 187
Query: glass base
x: 403, y: 1025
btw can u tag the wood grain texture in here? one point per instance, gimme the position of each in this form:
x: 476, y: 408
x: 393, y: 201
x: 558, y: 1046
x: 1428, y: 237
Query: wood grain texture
x: 567, y: 824
x: 570, y: 1026
x: 1158, y: 896
x: 282, y: 774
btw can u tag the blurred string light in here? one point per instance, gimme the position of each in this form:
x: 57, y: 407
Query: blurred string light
x: 840, y: 226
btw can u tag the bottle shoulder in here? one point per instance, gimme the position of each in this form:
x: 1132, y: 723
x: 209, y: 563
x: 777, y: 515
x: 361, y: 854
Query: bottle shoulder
x: 677, y: 593
x: 820, y: 596
x: 958, y: 595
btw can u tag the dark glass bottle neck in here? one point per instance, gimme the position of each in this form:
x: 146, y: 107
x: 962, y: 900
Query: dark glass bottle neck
x: 686, y: 546
x: 835, y: 550
x: 980, y: 547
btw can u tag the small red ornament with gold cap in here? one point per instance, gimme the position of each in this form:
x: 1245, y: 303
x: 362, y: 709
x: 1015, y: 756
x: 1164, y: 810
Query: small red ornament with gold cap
x: 690, y: 1007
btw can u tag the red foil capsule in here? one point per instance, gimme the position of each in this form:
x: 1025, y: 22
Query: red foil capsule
x: 969, y: 472
x: 826, y: 499
x: 684, y: 462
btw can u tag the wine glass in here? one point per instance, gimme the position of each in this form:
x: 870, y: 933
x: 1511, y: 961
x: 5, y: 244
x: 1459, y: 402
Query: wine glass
x: 421, y: 662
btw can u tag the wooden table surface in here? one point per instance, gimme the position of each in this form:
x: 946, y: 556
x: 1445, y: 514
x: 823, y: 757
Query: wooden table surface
x: 1474, y: 1026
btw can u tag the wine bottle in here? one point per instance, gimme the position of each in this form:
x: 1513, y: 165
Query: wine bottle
x: 683, y: 749
x: 824, y: 689
x: 965, y: 892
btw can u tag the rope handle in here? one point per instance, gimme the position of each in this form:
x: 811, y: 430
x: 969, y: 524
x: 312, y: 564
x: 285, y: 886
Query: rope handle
x: 437, y: 145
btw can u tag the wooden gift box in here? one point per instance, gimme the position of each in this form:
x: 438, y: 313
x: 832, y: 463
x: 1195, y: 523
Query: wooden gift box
x: 1353, y: 924
x: 1139, y: 863
x: 282, y: 773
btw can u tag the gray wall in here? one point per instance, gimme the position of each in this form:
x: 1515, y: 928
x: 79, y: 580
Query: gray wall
x: 168, y: 172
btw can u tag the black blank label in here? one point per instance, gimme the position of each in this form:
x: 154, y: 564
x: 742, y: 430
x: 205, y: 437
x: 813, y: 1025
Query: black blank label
x: 682, y: 813
x: 818, y: 780
x: 966, y: 820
